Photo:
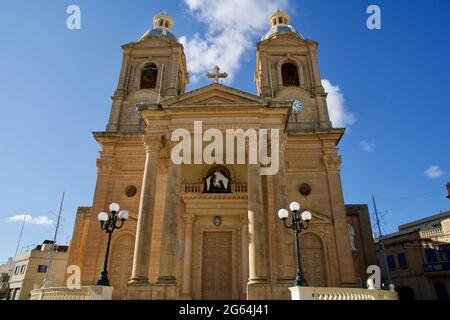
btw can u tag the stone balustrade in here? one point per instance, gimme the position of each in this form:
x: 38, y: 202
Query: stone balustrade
x: 199, y: 188
x: 192, y: 188
x: 431, y: 232
x: 315, y: 293
x: 65, y: 293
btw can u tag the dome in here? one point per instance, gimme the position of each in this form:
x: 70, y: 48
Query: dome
x: 158, y: 32
x: 279, y: 22
x: 162, y: 26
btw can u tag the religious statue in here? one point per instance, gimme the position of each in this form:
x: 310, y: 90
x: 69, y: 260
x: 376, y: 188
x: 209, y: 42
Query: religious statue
x: 217, y: 182
x: 351, y: 235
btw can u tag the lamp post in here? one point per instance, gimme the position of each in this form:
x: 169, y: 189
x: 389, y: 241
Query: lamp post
x: 109, y: 223
x: 299, y: 222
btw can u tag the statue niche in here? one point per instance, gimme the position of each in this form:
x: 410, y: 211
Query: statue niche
x: 217, y: 181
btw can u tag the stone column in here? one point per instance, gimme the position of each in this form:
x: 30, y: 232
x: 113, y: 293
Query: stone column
x: 283, y: 237
x: 145, y: 218
x: 187, y: 261
x: 245, y: 246
x: 167, y: 269
x: 257, y: 285
x: 332, y: 164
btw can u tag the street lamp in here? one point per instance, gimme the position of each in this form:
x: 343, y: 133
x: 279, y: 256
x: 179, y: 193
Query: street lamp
x: 299, y: 222
x: 108, y: 224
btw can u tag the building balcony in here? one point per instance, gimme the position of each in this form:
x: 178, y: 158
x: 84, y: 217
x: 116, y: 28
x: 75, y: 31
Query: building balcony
x: 197, y: 190
x: 430, y: 233
x: 443, y: 266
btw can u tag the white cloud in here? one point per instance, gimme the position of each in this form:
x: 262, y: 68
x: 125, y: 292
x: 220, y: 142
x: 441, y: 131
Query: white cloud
x: 339, y: 116
x: 39, y: 220
x: 434, y: 172
x: 231, y: 27
x: 367, y: 146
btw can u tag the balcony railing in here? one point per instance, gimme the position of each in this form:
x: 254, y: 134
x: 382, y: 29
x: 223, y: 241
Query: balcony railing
x: 443, y: 266
x: 192, y: 188
x: 65, y: 293
x: 431, y: 232
x: 315, y: 293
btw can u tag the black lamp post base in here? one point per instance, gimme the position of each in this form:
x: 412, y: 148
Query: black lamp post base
x: 103, y: 281
x: 300, y: 281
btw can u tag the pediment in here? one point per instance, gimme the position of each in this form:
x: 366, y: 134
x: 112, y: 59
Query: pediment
x: 319, y: 217
x: 215, y: 94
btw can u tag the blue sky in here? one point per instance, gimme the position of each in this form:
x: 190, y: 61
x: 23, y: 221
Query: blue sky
x: 55, y: 88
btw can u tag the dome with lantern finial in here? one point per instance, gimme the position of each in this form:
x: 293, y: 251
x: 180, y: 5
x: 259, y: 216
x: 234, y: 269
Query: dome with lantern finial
x: 279, y: 22
x: 162, y: 26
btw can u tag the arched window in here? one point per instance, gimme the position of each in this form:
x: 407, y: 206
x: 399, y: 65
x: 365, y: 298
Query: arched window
x: 289, y: 72
x: 274, y: 21
x: 149, y: 76
x: 280, y: 20
x: 161, y: 22
x: 441, y: 291
x: 167, y: 24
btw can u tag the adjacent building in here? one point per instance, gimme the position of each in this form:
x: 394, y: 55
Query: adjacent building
x: 30, y: 269
x: 361, y: 240
x: 5, y: 272
x: 418, y: 258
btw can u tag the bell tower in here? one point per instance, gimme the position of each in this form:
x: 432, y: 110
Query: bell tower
x: 287, y: 69
x: 153, y: 68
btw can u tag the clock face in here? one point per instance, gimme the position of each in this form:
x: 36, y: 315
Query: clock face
x: 297, y: 104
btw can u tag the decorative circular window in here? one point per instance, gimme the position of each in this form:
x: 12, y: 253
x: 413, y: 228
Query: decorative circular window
x: 131, y: 191
x: 305, y: 189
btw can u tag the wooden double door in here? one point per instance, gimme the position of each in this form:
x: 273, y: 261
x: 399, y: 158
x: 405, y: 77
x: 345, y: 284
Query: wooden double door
x: 217, y: 266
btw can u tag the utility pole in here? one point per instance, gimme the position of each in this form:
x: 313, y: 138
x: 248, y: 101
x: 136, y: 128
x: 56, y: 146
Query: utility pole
x: 448, y: 190
x: 383, y: 250
x: 52, y: 250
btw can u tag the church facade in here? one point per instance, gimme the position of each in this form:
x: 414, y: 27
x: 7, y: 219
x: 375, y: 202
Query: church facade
x: 210, y: 231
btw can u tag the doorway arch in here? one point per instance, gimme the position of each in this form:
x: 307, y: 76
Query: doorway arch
x: 312, y: 258
x: 121, y: 264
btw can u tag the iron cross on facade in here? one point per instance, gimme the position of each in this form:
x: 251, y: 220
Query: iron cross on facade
x: 216, y: 75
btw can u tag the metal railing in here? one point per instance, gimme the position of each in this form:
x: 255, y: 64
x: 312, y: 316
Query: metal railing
x: 442, y: 266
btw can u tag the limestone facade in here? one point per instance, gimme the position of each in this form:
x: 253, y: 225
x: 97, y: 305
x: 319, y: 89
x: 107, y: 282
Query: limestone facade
x: 183, y: 242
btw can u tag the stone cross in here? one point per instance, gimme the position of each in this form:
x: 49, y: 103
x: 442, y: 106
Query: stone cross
x: 216, y: 75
